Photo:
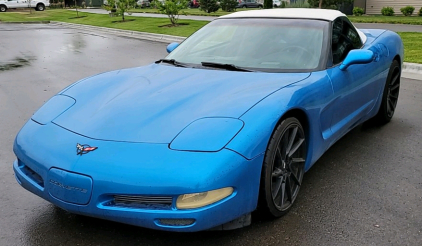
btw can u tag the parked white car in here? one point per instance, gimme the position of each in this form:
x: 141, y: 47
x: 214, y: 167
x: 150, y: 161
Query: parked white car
x: 38, y: 5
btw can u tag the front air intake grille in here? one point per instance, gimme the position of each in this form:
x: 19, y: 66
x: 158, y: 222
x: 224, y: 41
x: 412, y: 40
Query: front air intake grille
x: 151, y: 202
x: 32, y: 175
x: 176, y: 222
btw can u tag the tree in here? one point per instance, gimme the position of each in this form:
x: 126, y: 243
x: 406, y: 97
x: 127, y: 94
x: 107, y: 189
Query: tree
x: 228, y: 5
x: 268, y: 4
x: 327, y: 4
x: 209, y: 6
x: 76, y: 8
x: 171, y: 8
x: 121, y: 6
x: 30, y: 7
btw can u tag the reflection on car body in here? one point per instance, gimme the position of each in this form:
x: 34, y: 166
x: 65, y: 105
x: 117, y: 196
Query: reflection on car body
x: 226, y: 124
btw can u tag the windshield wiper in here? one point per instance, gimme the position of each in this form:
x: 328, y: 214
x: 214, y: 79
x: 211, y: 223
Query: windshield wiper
x: 230, y: 67
x: 172, y: 62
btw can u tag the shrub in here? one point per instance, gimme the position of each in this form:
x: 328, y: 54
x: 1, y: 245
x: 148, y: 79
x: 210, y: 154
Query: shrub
x: 387, y: 11
x: 228, y: 5
x: 420, y: 12
x: 358, y: 11
x: 209, y: 6
x: 299, y: 4
x: 283, y: 4
x: 171, y: 8
x: 408, y: 10
x: 120, y: 7
x: 268, y: 4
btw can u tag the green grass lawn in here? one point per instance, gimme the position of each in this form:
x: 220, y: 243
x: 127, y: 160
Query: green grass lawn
x: 412, y: 41
x: 142, y: 24
x: 412, y: 46
x: 413, y: 20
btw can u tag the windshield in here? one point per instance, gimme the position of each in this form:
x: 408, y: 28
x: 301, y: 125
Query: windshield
x: 257, y: 44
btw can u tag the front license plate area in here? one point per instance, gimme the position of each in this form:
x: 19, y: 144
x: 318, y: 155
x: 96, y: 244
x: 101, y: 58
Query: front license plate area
x: 69, y: 187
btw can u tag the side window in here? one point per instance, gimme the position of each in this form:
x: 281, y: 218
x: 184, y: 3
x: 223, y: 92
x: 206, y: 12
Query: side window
x: 344, y: 39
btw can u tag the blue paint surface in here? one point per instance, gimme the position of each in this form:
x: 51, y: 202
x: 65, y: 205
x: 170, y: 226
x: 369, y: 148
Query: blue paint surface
x: 166, y: 131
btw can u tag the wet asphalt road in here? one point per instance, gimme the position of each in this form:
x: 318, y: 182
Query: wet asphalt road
x: 366, y: 190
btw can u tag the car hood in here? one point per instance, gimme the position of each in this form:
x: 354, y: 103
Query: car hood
x: 152, y: 104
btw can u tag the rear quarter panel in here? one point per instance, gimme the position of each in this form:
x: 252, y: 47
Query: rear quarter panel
x: 387, y: 46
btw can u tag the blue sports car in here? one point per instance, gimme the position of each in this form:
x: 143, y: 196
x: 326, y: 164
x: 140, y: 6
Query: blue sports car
x: 227, y: 123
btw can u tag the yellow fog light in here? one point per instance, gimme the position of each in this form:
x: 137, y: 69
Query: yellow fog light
x: 197, y: 200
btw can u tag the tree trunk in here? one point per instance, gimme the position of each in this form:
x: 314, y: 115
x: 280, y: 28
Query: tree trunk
x: 320, y: 4
x: 76, y: 7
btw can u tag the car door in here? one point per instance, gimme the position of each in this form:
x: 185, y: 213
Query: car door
x: 355, y: 88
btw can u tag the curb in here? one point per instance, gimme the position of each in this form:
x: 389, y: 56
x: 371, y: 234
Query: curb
x: 127, y: 33
x: 412, y: 68
x: 25, y: 22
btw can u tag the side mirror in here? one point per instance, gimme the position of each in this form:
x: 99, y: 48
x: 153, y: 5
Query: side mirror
x: 357, y: 57
x: 172, y: 46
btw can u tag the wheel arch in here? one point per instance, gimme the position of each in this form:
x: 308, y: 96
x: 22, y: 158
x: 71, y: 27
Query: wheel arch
x: 302, y: 117
x: 304, y: 120
x: 40, y: 4
x: 398, y: 59
x: 298, y: 114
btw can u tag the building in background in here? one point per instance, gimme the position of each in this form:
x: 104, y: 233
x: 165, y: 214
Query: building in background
x: 373, y: 7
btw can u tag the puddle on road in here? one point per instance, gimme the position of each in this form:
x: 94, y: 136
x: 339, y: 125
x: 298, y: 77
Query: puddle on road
x: 75, y: 43
x: 16, y: 63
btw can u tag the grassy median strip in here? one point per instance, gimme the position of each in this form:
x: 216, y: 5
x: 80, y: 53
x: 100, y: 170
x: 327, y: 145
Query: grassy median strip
x: 411, y: 20
x: 141, y: 24
x: 412, y: 41
x: 412, y: 46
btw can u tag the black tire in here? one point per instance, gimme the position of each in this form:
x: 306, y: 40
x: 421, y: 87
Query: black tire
x: 260, y: 6
x: 244, y: 6
x: 390, y: 95
x: 40, y: 7
x: 3, y: 8
x: 283, y: 168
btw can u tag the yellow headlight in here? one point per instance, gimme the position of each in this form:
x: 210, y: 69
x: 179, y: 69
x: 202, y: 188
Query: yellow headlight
x: 197, y: 200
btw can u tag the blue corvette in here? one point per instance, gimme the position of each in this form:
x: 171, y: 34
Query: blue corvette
x: 227, y: 123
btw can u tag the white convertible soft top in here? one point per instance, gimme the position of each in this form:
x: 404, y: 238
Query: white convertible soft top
x: 299, y: 13
x: 305, y: 13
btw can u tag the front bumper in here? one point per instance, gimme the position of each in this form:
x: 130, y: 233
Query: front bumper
x: 48, y: 166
